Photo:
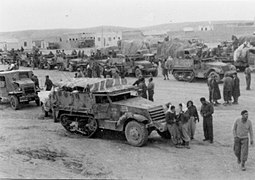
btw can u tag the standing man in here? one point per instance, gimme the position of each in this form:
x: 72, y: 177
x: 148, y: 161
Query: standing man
x: 215, y: 90
x: 172, y: 126
x: 193, y: 118
x: 150, y: 89
x: 34, y: 78
x: 164, y: 69
x: 48, y: 83
x: 206, y: 112
x: 142, y: 88
x: 247, y: 73
x: 242, y: 127
x: 236, y: 88
x: 227, y: 89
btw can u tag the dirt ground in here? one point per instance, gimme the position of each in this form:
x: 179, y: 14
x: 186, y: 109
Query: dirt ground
x: 36, y: 148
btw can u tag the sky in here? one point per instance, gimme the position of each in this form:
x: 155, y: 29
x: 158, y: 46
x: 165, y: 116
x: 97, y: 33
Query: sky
x: 50, y: 14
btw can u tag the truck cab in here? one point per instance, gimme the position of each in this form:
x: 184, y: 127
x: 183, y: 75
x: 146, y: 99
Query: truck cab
x: 17, y: 87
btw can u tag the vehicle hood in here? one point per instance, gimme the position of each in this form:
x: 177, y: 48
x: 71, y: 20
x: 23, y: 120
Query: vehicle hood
x: 143, y: 62
x: 23, y: 82
x: 137, y: 102
x: 220, y: 64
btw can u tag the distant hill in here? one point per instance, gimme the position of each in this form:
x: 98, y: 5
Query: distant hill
x: 40, y: 34
x: 157, y: 29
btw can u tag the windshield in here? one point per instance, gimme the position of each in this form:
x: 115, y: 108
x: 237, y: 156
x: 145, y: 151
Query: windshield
x: 122, y: 97
x: 23, y: 75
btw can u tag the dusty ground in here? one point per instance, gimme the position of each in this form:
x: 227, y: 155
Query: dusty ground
x: 34, y: 148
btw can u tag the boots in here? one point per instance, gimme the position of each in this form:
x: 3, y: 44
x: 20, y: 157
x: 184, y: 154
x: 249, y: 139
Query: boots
x: 243, y: 166
x: 187, y: 145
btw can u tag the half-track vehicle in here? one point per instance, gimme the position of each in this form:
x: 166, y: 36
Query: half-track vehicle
x: 85, y: 105
x: 17, y: 88
x: 187, y: 66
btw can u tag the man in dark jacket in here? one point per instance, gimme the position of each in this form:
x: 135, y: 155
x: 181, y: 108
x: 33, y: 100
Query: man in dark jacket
x: 227, y: 89
x: 236, y: 88
x: 172, y: 127
x: 142, y: 88
x: 48, y: 83
x: 215, y: 90
x: 206, y: 112
x: 193, y: 118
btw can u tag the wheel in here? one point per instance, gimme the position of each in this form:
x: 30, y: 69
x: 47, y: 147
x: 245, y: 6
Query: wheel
x: 14, y: 101
x: 71, y: 68
x: 136, y: 133
x: 88, y: 126
x: 165, y: 134
x: 176, y: 75
x: 189, y: 77
x: 138, y: 72
x: 155, y: 73
x: 66, y: 121
x: 38, y: 102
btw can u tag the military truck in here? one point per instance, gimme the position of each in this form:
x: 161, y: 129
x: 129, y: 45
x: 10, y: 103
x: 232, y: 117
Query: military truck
x: 134, y: 65
x: 85, y: 105
x: 187, y: 66
x: 17, y: 87
x: 151, y: 58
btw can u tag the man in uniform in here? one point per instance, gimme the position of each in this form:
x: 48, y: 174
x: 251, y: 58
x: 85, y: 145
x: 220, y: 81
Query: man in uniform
x: 48, y: 83
x: 247, y: 73
x: 142, y: 88
x: 236, y: 88
x: 150, y: 89
x: 227, y: 89
x: 206, y: 112
x: 242, y: 127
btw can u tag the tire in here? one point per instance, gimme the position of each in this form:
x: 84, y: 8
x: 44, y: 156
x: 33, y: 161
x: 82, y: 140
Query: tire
x: 155, y: 73
x: 136, y: 133
x: 176, y: 76
x: 138, y: 72
x: 165, y: 134
x: 192, y: 77
x: 71, y: 69
x: 14, y: 101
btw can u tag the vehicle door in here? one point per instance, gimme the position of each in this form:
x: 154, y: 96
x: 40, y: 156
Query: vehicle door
x: 102, y: 107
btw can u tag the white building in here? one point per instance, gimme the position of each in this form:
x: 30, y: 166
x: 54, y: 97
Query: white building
x: 107, y: 39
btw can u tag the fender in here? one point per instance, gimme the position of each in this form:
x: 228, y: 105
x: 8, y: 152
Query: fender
x: 129, y: 115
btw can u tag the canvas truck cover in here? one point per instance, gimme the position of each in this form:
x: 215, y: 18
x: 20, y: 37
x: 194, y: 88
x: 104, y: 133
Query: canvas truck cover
x: 96, y: 84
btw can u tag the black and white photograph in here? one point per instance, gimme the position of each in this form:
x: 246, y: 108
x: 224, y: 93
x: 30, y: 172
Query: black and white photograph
x: 127, y: 89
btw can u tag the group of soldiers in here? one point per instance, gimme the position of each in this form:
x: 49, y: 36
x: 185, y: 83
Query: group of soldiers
x: 231, y: 87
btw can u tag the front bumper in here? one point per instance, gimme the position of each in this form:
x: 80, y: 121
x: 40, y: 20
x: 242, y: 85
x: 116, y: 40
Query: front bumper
x: 28, y: 97
x: 159, y: 125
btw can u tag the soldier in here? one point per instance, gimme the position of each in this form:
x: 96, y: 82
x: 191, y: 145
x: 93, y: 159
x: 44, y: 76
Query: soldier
x: 142, y: 88
x: 247, y: 73
x: 151, y: 89
x: 236, y: 88
x: 206, y: 112
x: 215, y: 90
x: 48, y: 83
x: 136, y: 83
x: 164, y: 69
x: 227, y: 89
x: 172, y: 126
x: 34, y: 78
x: 242, y: 127
x: 183, y: 123
x: 193, y: 118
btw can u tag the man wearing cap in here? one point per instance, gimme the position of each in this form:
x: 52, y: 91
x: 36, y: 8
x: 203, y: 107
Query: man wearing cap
x: 48, y: 83
x: 206, y: 112
x: 236, y: 88
x: 242, y: 128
